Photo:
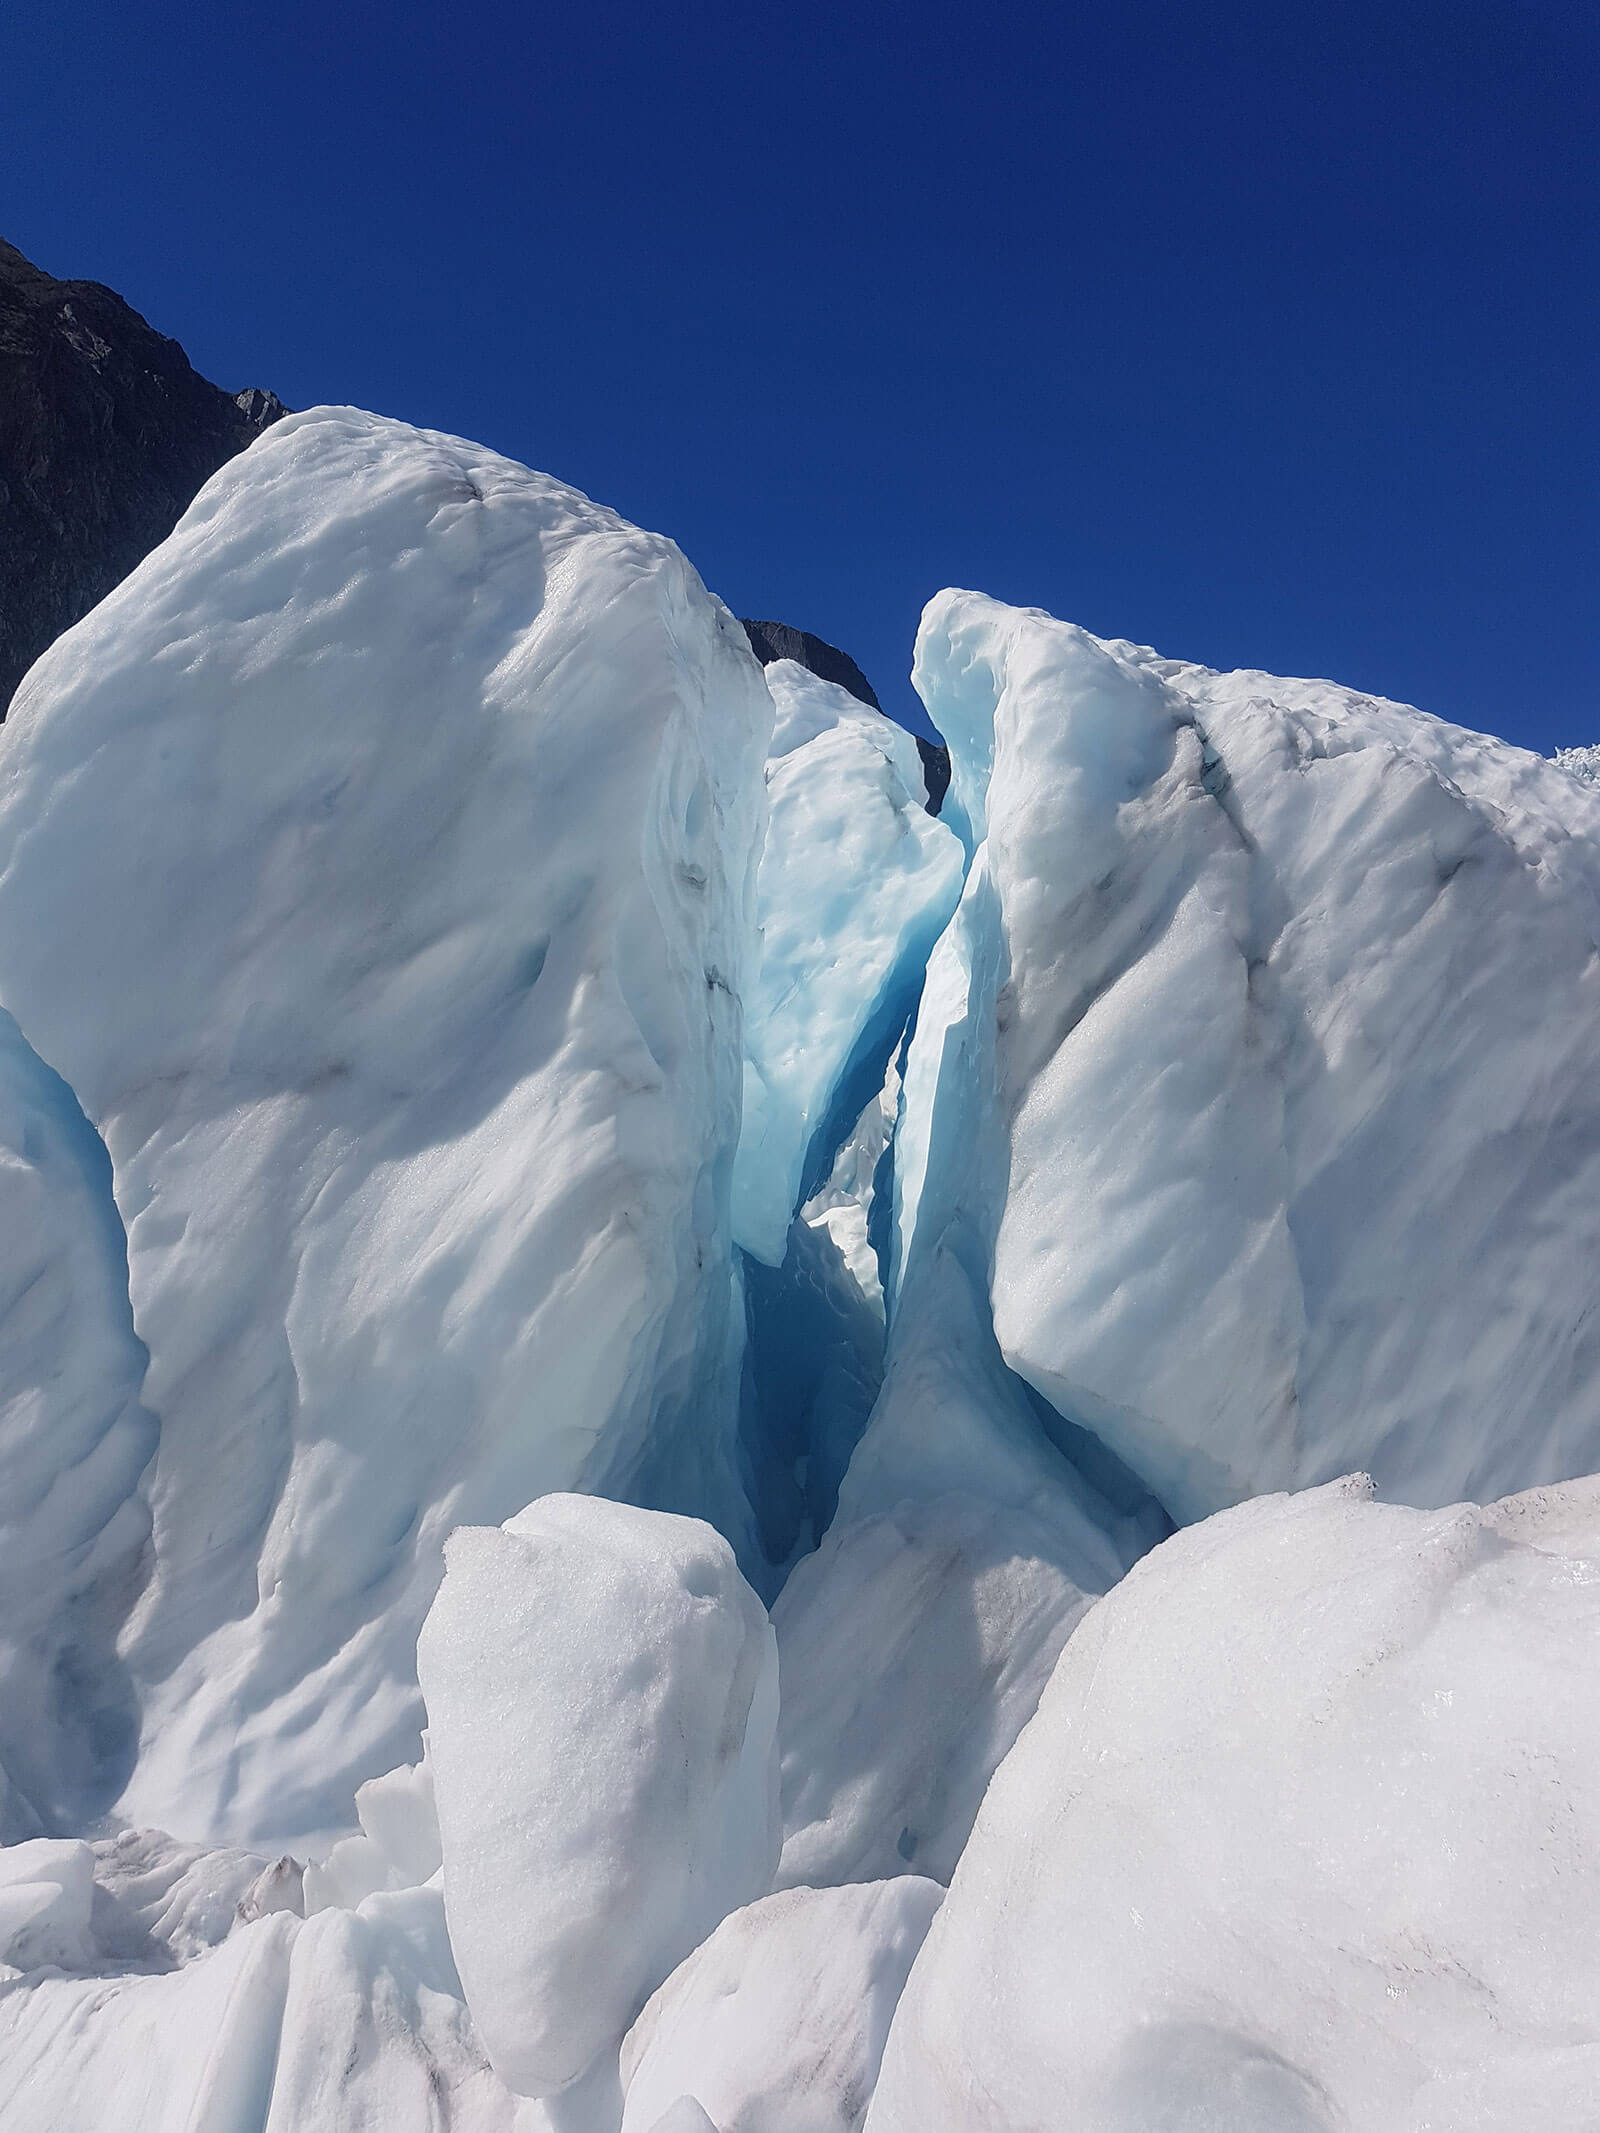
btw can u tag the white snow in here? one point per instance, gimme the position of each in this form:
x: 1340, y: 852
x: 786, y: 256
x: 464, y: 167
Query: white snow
x: 776, y: 2024
x: 1304, y: 1836
x: 376, y: 863
x: 856, y: 882
x: 602, y: 1692
x: 46, y: 1891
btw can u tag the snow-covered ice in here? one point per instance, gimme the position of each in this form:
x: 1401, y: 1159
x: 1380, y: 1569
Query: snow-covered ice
x: 376, y: 864
x: 349, y: 2022
x: 602, y: 1692
x: 1304, y: 1836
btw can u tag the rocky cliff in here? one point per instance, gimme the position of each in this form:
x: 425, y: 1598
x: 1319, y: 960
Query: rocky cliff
x: 106, y: 433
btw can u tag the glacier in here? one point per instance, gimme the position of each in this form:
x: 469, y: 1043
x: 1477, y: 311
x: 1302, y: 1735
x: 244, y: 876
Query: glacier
x: 684, y: 1450
x: 414, y: 1045
x: 75, y: 1441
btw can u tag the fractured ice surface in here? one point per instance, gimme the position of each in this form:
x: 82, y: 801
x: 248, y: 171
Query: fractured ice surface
x: 856, y: 881
x: 376, y: 863
x: 1305, y: 1836
x: 349, y: 2022
x: 1292, y: 1126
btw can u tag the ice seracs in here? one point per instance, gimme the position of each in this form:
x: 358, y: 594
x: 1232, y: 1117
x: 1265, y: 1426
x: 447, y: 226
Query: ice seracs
x: 377, y: 865
x: 578, y: 1118
x: 856, y: 882
x: 1291, y: 1143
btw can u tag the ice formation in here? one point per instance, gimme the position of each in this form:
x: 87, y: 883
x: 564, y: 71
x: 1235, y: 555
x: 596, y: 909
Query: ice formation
x: 602, y: 1693
x: 1294, y: 1142
x: 857, y: 881
x: 376, y: 865
x: 1305, y: 1835
x: 74, y: 1443
x: 496, y: 1080
x: 777, y: 2023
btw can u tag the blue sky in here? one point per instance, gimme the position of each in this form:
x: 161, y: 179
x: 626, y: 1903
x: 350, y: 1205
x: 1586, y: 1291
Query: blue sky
x: 1264, y: 334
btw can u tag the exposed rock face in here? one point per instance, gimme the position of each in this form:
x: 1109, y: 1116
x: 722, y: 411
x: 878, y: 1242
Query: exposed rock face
x: 777, y: 640
x: 106, y: 433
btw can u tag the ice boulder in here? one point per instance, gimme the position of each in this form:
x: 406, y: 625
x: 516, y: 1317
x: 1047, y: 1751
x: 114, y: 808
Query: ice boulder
x: 1286, y: 1157
x: 377, y: 865
x: 777, y: 2024
x: 856, y: 882
x: 1305, y: 1836
x: 602, y: 1692
x: 74, y: 1443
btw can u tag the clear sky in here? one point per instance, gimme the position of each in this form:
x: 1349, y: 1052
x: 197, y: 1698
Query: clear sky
x: 1263, y: 334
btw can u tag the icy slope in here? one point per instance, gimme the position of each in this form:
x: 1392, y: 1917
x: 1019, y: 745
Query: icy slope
x: 856, y: 882
x: 1305, y: 1836
x: 74, y: 1442
x: 1289, y: 1154
x: 777, y: 2023
x: 377, y: 866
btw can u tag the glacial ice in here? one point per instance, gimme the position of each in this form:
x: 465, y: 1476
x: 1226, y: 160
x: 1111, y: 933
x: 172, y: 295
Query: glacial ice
x: 776, y: 2024
x: 74, y: 1442
x: 856, y: 882
x: 602, y: 1692
x: 1291, y: 1144
x: 954, y: 1612
x: 1305, y: 1835
x: 376, y: 863
x: 349, y: 2022
x: 575, y: 1116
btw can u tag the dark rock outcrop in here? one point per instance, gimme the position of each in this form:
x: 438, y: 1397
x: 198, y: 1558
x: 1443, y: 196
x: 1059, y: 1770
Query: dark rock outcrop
x: 778, y: 640
x: 106, y: 434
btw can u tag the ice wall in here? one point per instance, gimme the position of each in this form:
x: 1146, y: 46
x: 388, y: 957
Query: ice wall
x: 74, y: 1443
x: 856, y: 882
x: 1288, y: 1140
x: 377, y: 865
